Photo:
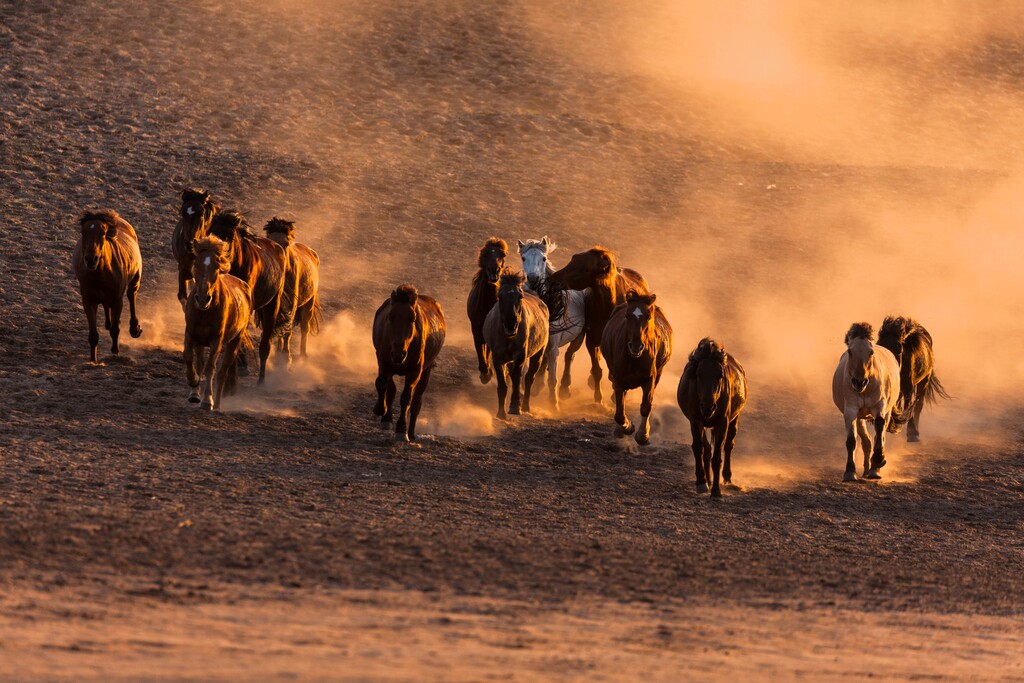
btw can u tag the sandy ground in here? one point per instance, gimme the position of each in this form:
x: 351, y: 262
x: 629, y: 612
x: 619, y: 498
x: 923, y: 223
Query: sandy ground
x: 288, y: 535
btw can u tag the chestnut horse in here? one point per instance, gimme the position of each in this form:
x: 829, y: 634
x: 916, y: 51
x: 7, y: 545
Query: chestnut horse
x: 108, y: 265
x: 408, y: 333
x: 300, y: 300
x: 482, y: 297
x: 197, y: 211
x: 711, y: 394
x: 866, y: 386
x: 261, y: 264
x: 911, y: 343
x: 636, y: 343
x: 516, y: 332
x: 596, y: 269
x: 217, y: 316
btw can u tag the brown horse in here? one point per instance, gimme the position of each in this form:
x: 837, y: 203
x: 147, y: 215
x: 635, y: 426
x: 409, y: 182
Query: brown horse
x: 711, y: 394
x: 483, y: 296
x: 300, y: 300
x: 108, y: 265
x: 516, y: 332
x: 911, y: 343
x: 596, y: 269
x: 408, y: 333
x: 217, y: 316
x: 637, y: 343
x: 197, y: 211
x: 261, y: 264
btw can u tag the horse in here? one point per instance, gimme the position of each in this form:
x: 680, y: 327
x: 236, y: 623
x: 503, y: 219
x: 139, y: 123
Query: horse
x: 636, y: 343
x: 408, y: 333
x: 260, y: 263
x: 566, y: 310
x: 300, y: 300
x: 911, y: 344
x: 712, y: 393
x: 108, y: 265
x: 197, y: 211
x: 482, y: 297
x: 866, y: 386
x: 596, y: 269
x: 516, y: 333
x: 217, y: 316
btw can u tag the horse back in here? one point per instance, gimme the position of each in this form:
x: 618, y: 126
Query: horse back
x: 433, y: 328
x: 628, y: 279
x: 264, y: 267
x: 535, y: 315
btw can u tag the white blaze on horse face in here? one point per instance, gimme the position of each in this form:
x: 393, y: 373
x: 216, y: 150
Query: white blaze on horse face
x: 638, y: 313
x: 208, y: 260
x: 190, y: 211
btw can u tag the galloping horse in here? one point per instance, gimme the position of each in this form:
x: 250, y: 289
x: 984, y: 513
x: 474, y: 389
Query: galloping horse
x: 300, y: 300
x: 596, y: 269
x: 911, y: 343
x: 197, y: 211
x: 483, y: 296
x: 408, y: 333
x: 566, y: 309
x: 711, y: 394
x: 217, y: 316
x: 261, y: 264
x: 866, y: 386
x: 516, y: 332
x: 108, y: 265
x: 637, y: 343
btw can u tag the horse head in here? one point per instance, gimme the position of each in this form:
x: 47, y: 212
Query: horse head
x: 280, y: 230
x: 402, y: 322
x: 510, y: 301
x: 197, y: 211
x: 211, y: 262
x: 491, y: 259
x: 861, y: 348
x: 640, y: 327
x: 99, y: 228
x: 710, y: 358
x: 586, y: 269
x: 229, y: 226
x: 535, y: 260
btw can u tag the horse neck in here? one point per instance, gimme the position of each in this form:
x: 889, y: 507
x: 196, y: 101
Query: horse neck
x: 488, y: 290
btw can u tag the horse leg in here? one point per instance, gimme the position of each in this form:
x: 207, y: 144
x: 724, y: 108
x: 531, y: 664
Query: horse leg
x: 184, y: 276
x: 106, y: 317
x: 878, y: 457
x: 697, y: 446
x: 624, y: 428
x: 499, y: 375
x: 191, y: 376
x: 531, y: 373
x: 515, y: 376
x: 730, y: 441
x: 570, y: 353
x: 851, y: 444
x: 707, y: 456
x: 483, y: 360
x: 865, y: 443
x: 286, y: 347
x: 94, y: 336
x: 231, y: 382
x: 643, y: 435
x: 304, y: 315
x: 211, y: 367
x: 417, y: 401
x: 718, y: 434
x: 913, y: 427
x: 227, y: 361
x: 596, y: 373
x: 553, y: 372
x: 115, y: 324
x: 402, y: 426
x: 267, y: 315
x: 134, y: 328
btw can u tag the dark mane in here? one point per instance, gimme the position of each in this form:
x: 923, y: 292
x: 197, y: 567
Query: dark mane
x: 633, y: 296
x: 107, y: 217
x: 217, y: 246
x: 708, y: 349
x: 511, y: 277
x: 860, y: 331
x: 896, y: 329
x: 280, y: 226
x: 491, y: 243
x: 405, y: 294
x: 197, y: 194
x: 230, y: 223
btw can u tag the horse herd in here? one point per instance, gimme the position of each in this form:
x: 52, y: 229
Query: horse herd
x: 520, y: 322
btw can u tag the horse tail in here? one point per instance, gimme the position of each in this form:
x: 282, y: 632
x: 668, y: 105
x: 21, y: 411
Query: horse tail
x: 902, y: 412
x: 935, y: 389
x: 289, y: 303
x: 552, y: 293
x: 317, y: 315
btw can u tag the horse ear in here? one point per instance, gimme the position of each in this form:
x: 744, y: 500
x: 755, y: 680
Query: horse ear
x: 544, y: 240
x: 521, y: 245
x: 606, y: 265
x: 631, y: 295
x: 652, y: 297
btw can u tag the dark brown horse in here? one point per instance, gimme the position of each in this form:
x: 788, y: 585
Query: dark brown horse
x: 609, y: 284
x: 108, y: 266
x: 408, y: 333
x: 516, y: 332
x: 217, y: 316
x: 711, y: 394
x: 637, y: 343
x: 262, y: 265
x: 911, y: 343
x: 197, y: 211
x: 300, y: 300
x: 483, y: 296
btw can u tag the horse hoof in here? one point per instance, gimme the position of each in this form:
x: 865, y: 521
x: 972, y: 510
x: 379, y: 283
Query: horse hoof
x: 386, y: 424
x: 702, y: 488
x: 402, y: 437
x: 514, y: 410
x: 564, y: 392
x: 485, y: 377
x: 136, y: 332
x: 913, y: 438
x: 207, y: 405
x: 872, y: 474
x: 642, y: 439
x: 502, y: 416
x: 850, y: 476
x: 716, y: 493
x: 628, y: 429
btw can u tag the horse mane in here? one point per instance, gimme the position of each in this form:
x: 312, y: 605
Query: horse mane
x: 281, y: 226
x: 899, y: 328
x: 511, y: 277
x: 708, y: 349
x: 106, y: 216
x: 537, y: 244
x: 405, y: 294
x: 195, y: 194
x: 230, y: 223
x: 860, y: 331
x: 598, y: 250
x: 217, y: 246
x: 633, y: 296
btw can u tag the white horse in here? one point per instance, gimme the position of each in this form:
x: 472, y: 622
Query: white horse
x: 866, y: 386
x: 567, y: 328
